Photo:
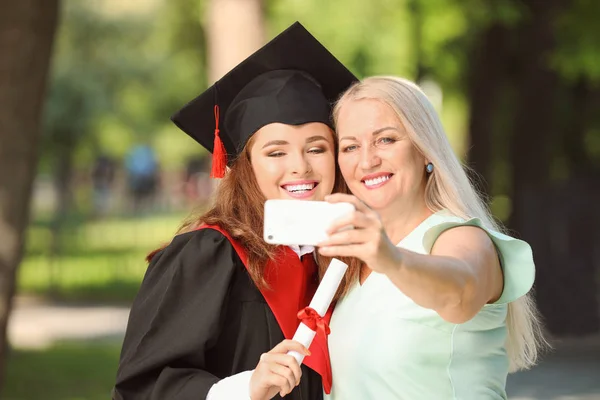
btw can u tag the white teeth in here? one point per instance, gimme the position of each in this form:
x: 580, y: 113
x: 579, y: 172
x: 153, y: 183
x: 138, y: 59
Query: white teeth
x: 377, y: 181
x: 300, y: 188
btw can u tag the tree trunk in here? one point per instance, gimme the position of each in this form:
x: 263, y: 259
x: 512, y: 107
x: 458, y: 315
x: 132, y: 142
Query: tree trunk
x: 26, y: 35
x: 574, y: 214
x: 535, y: 126
x: 555, y: 218
x: 485, y: 82
x: 235, y: 29
x: 567, y: 289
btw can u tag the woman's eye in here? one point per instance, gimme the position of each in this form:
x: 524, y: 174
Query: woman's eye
x: 386, y: 140
x: 316, y: 150
x: 348, y: 149
x: 276, y: 154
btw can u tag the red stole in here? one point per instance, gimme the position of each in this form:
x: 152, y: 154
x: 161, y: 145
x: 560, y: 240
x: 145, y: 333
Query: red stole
x: 290, y: 290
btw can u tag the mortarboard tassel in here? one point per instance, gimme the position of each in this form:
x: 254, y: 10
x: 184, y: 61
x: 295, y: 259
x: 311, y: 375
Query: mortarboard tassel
x: 219, y: 160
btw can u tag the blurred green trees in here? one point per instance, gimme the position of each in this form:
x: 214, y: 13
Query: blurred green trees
x: 116, y: 78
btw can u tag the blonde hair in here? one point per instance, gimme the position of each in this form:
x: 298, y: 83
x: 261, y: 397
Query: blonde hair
x: 449, y: 187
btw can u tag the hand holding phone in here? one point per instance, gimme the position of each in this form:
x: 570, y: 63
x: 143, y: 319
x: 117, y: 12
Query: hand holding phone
x: 301, y: 222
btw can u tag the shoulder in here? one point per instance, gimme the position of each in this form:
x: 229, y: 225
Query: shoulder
x: 200, y: 250
x: 515, y: 255
x: 467, y: 238
x: 204, y: 239
x: 448, y: 229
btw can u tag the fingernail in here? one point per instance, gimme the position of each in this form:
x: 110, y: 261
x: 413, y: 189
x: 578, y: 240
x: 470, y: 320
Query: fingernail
x: 308, y: 353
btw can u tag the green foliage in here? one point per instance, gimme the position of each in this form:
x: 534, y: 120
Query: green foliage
x: 379, y: 37
x: 102, y: 261
x: 579, y: 42
x: 592, y: 143
x: 351, y: 36
x: 66, y: 371
x: 117, y: 78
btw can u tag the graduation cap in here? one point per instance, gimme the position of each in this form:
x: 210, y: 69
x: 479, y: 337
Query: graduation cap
x: 293, y: 80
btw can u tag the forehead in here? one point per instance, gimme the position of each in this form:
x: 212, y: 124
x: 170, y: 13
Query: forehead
x: 290, y: 133
x: 365, y: 116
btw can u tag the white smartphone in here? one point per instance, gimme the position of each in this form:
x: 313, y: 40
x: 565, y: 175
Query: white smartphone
x: 301, y: 222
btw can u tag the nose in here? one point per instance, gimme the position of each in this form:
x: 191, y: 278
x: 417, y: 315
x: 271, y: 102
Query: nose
x: 301, y: 164
x: 369, y: 158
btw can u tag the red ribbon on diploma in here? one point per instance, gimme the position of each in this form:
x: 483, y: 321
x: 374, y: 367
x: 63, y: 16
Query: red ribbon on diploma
x: 315, y: 322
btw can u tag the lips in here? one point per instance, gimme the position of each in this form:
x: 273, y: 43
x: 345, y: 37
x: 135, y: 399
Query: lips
x: 305, y: 187
x: 300, y: 189
x: 375, y: 181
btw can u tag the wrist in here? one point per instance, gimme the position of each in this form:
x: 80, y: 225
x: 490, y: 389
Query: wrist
x: 394, y: 263
x: 252, y: 395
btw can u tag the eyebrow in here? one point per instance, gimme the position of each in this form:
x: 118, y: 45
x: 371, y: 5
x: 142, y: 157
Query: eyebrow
x: 275, y: 143
x: 315, y: 139
x: 375, y: 133
x: 284, y: 142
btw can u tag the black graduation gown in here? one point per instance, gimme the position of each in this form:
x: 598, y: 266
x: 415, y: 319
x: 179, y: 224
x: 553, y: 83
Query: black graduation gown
x: 198, y: 318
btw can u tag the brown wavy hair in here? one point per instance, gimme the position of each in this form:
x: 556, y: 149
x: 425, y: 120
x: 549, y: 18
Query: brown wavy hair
x: 238, y: 208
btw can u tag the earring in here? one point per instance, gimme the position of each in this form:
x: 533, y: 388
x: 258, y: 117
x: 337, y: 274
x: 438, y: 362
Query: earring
x: 429, y: 168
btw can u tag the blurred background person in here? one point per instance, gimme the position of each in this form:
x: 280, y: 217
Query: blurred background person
x: 142, y: 177
x: 197, y: 186
x: 103, y: 177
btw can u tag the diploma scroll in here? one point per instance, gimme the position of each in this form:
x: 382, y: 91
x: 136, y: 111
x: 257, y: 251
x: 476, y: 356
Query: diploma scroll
x: 320, y: 303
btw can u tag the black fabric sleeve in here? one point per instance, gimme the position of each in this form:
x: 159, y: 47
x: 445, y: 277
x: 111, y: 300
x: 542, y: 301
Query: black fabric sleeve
x: 175, y: 319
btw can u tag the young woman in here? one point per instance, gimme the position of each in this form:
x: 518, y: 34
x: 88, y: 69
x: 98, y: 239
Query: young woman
x: 217, y: 304
x: 441, y: 309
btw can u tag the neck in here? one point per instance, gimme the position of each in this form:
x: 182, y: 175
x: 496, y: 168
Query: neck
x: 401, y: 219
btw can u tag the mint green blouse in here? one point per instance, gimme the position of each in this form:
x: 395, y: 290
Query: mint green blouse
x: 384, y: 346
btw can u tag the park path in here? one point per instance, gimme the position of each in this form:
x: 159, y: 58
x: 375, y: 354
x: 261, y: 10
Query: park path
x: 37, y: 325
x: 570, y: 372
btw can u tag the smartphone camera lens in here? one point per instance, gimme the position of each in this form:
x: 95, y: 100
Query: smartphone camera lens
x: 270, y: 237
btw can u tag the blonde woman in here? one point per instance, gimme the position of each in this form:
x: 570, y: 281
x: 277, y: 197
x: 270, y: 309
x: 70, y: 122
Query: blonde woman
x: 441, y: 309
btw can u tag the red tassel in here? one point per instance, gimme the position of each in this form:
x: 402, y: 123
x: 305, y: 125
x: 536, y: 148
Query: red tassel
x: 219, y: 158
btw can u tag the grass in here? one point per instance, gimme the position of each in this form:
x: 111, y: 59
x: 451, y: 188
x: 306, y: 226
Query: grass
x: 66, y: 371
x: 99, y: 261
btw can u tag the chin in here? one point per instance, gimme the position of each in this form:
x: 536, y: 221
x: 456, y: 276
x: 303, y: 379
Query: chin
x: 377, y: 203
